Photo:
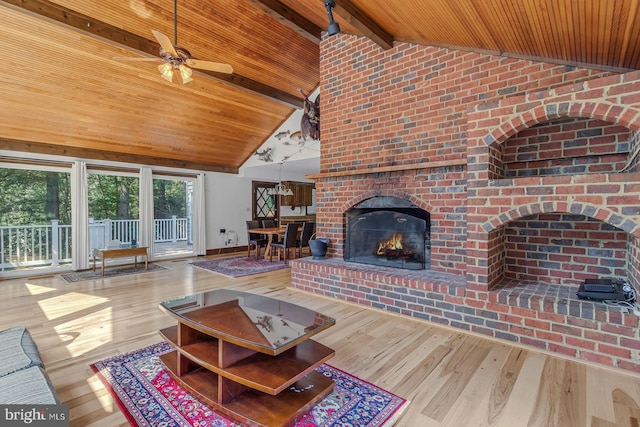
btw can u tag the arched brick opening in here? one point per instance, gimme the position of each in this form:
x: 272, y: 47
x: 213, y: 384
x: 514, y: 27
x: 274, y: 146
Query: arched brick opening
x: 561, y: 244
x: 627, y: 116
x: 385, y: 193
x: 597, y: 212
x: 551, y: 134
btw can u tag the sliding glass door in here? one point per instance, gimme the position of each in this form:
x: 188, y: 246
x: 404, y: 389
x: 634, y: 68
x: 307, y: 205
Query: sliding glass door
x: 113, y: 210
x: 173, y: 218
x: 35, y: 217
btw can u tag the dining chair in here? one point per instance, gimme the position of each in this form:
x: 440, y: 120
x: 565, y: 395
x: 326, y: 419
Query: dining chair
x: 269, y: 223
x: 254, y: 239
x: 288, y: 242
x: 308, y: 228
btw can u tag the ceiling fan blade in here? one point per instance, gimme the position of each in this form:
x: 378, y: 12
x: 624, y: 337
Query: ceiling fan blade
x: 210, y: 66
x: 165, y: 42
x: 128, y: 58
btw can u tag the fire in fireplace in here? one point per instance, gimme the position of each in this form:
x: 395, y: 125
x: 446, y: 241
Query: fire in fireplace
x: 393, y: 248
x: 388, y: 231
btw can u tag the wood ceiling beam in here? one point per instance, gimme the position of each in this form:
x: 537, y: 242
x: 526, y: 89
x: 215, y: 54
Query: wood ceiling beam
x: 362, y: 22
x: 105, y: 31
x: 88, y: 153
x: 290, y: 18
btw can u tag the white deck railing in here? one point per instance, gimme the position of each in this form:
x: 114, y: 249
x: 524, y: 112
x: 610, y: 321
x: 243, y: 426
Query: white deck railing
x: 50, y: 244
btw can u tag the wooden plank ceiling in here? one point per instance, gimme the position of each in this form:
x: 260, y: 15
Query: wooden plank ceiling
x: 64, y: 93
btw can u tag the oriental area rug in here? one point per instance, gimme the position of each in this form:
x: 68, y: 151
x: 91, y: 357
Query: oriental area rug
x: 82, y: 276
x: 148, y: 396
x: 240, y: 266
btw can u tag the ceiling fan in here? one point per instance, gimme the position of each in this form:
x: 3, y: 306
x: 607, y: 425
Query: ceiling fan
x: 177, y: 59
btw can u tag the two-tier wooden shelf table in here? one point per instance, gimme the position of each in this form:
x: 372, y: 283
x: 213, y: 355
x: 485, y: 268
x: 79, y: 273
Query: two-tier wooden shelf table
x: 247, y: 355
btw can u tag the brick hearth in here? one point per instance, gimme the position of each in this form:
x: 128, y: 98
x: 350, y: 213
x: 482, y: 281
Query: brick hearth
x: 529, y: 171
x: 545, y: 316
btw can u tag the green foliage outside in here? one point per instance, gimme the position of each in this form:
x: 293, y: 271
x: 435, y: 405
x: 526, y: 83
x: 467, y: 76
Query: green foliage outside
x: 169, y: 198
x: 37, y: 197
x: 113, y: 197
x: 34, y: 197
x: 117, y: 197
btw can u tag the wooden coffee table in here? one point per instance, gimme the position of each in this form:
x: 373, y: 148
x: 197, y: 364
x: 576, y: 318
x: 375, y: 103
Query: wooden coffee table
x: 247, y: 355
x: 107, y: 253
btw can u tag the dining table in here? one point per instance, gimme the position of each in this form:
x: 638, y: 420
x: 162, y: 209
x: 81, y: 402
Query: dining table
x: 269, y: 232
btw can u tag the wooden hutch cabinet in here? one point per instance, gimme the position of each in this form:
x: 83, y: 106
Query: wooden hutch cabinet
x: 302, y: 194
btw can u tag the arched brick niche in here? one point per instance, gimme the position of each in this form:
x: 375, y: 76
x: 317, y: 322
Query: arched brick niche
x: 551, y: 176
x: 541, y: 242
x: 566, y: 146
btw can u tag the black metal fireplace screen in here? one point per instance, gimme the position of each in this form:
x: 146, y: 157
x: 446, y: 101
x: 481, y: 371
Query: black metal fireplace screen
x: 390, y: 232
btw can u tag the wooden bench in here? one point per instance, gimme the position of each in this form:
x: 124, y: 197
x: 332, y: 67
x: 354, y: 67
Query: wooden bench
x: 107, y: 253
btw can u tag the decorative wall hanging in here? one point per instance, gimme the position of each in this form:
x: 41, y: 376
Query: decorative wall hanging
x: 282, y: 134
x: 310, y: 122
x: 265, y: 155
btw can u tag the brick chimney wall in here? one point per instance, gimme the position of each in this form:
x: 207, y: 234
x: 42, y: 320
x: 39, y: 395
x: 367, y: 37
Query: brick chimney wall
x: 409, y: 106
x: 487, y: 145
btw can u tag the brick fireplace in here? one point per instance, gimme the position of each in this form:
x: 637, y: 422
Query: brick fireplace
x: 529, y: 172
x: 388, y: 232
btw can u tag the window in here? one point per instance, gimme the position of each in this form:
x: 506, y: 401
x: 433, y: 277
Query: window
x: 265, y: 205
x: 35, y: 217
x: 36, y: 213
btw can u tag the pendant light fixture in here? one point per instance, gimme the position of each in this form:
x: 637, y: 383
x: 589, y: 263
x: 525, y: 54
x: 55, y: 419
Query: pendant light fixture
x: 280, y: 189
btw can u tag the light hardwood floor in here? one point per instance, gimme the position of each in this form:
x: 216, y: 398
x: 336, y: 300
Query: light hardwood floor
x: 451, y: 378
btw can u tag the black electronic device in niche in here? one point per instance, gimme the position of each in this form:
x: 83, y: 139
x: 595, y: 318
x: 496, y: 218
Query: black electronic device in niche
x: 604, y: 289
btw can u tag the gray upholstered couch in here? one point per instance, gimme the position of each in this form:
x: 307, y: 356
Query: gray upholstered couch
x: 22, y: 376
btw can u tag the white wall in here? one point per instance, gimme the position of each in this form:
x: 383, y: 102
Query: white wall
x: 228, y: 205
x: 296, y: 154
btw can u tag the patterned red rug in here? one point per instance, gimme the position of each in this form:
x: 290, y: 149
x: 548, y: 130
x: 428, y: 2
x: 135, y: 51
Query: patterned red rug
x: 240, y: 266
x: 148, y: 396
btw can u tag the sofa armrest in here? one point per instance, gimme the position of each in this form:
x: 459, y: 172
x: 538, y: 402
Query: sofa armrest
x: 27, y: 386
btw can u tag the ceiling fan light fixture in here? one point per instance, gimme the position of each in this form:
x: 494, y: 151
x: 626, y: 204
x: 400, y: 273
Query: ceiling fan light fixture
x: 333, y: 27
x: 166, y: 71
x: 177, y: 59
x: 185, y: 73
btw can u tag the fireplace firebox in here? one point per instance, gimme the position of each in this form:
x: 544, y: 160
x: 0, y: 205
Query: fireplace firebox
x: 389, y: 232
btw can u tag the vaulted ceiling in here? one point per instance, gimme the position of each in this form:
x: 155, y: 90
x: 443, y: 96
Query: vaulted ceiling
x: 62, y: 91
